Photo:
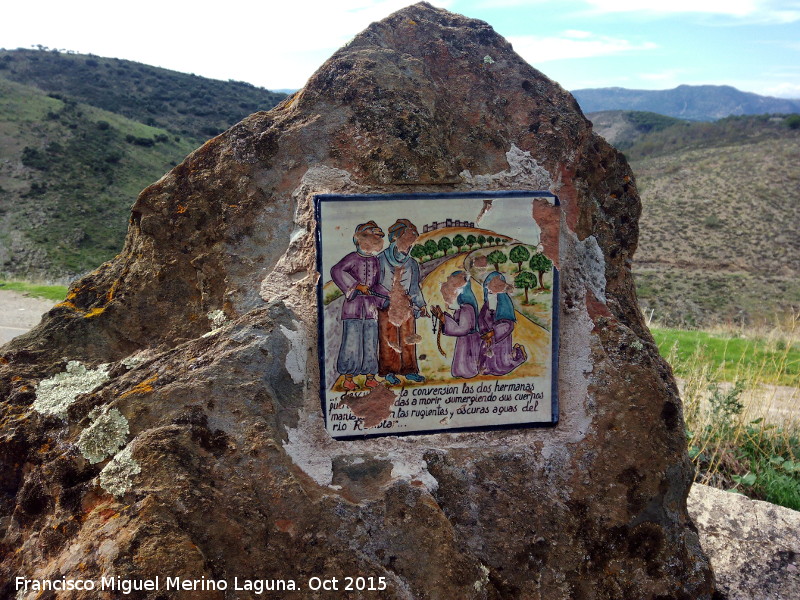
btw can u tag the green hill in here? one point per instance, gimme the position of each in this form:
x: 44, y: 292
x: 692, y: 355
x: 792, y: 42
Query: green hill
x: 623, y: 128
x: 80, y: 137
x: 720, y: 219
x: 185, y: 104
x: 69, y: 173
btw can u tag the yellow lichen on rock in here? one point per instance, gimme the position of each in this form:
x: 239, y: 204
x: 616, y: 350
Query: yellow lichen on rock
x: 142, y: 388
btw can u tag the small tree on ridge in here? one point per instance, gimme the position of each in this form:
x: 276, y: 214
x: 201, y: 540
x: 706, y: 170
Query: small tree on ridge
x: 497, y: 258
x: 519, y: 254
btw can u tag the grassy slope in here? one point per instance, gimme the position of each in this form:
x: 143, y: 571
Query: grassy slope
x: 80, y: 137
x: 64, y: 202
x: 721, y: 212
x: 185, y: 104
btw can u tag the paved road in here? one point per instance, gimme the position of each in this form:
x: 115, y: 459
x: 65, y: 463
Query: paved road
x: 7, y: 333
x: 19, y: 313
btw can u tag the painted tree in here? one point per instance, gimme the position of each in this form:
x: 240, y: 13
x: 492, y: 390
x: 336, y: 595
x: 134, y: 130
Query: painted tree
x: 481, y: 240
x: 471, y: 239
x: 525, y: 280
x: 431, y: 248
x: 519, y: 254
x: 459, y: 241
x: 490, y: 239
x: 418, y: 252
x: 497, y: 258
x: 541, y: 265
x: 445, y: 244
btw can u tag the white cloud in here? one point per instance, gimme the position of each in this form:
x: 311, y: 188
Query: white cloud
x: 577, y: 34
x: 787, y: 44
x: 509, y: 3
x: 761, y: 11
x: 722, y: 7
x: 269, y: 44
x: 758, y: 11
x: 573, y: 44
x: 782, y: 90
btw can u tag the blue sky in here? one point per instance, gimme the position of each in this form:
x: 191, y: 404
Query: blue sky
x: 753, y: 45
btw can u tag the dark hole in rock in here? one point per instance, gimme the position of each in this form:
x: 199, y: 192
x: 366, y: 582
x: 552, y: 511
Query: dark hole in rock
x: 33, y: 499
x: 670, y: 414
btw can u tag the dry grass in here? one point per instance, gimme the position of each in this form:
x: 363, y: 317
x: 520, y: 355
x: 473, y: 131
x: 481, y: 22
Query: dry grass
x: 743, y: 430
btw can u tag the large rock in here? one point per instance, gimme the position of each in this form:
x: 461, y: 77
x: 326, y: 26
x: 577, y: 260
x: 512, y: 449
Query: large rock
x: 754, y: 546
x: 164, y: 420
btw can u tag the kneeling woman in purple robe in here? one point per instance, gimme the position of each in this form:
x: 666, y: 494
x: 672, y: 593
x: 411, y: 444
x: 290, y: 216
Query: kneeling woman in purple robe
x: 496, y: 322
x: 462, y: 324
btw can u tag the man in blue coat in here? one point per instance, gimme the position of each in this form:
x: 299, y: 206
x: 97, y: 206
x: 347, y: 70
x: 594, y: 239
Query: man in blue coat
x: 397, y: 319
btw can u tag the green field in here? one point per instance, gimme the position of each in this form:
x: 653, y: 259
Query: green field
x: 56, y: 293
x: 732, y: 382
x: 732, y: 357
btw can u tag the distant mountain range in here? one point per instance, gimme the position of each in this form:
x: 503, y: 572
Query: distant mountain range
x: 692, y: 102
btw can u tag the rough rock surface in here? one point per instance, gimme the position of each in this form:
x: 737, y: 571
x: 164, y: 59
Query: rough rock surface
x: 206, y: 327
x: 754, y: 546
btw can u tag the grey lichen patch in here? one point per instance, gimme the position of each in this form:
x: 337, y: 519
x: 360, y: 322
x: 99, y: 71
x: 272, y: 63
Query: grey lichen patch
x: 217, y: 318
x: 134, y: 360
x: 484, y: 580
x: 54, y: 395
x: 107, y: 434
x: 117, y: 476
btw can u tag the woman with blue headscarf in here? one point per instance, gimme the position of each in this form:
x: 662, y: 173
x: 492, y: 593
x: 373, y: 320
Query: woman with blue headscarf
x: 496, y: 321
x: 462, y: 324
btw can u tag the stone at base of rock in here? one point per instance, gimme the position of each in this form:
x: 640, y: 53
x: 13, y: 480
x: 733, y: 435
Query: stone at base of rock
x: 754, y: 546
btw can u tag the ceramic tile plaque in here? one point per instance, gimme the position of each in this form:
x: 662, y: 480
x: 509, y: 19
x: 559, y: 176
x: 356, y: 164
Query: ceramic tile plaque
x: 437, y: 312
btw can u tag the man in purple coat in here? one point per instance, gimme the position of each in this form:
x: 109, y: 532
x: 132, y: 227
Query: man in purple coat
x: 358, y: 276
